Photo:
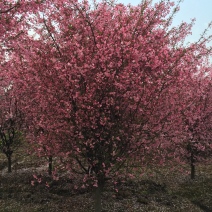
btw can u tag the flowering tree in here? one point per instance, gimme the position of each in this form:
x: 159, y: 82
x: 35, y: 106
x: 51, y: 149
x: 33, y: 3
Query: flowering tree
x: 198, y: 135
x: 11, y: 126
x: 95, y: 81
x: 190, y: 139
x: 12, y: 31
x: 12, y: 14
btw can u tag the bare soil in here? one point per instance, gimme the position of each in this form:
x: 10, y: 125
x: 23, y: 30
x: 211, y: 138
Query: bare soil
x: 165, y: 191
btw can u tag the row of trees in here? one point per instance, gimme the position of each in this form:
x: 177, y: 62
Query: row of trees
x: 104, y: 85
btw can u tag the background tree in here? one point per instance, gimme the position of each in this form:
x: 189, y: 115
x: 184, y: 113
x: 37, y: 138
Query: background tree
x: 198, y: 147
x: 11, y: 126
x: 190, y: 138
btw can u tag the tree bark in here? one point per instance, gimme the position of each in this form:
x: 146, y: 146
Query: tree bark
x: 192, y: 167
x: 9, y: 164
x: 98, y: 192
x: 98, y: 206
x: 50, y: 165
x: 192, y: 171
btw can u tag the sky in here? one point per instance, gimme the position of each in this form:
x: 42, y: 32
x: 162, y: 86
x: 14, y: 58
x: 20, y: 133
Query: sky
x: 189, y: 9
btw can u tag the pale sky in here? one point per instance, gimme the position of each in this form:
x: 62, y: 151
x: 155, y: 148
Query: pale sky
x: 189, y: 9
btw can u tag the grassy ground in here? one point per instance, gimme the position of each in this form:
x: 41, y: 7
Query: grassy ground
x: 165, y: 191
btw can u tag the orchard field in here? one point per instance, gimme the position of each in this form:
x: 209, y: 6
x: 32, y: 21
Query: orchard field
x: 121, y: 110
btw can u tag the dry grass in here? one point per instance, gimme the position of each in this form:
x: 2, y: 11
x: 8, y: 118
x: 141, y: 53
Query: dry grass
x: 165, y: 191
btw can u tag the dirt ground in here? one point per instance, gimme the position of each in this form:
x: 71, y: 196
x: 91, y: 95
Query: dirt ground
x: 165, y: 191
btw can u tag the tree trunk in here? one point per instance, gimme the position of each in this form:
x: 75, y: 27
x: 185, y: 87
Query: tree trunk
x: 98, y: 206
x: 192, y: 171
x: 192, y: 167
x: 98, y: 192
x: 50, y: 165
x: 9, y: 163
